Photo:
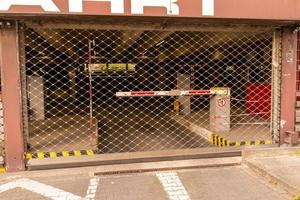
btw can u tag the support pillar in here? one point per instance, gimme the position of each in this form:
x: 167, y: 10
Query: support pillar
x: 184, y: 83
x: 288, y: 82
x: 220, y: 111
x: 11, y: 96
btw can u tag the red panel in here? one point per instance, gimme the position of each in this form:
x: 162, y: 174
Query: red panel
x: 142, y: 93
x: 199, y: 92
x: 258, y: 99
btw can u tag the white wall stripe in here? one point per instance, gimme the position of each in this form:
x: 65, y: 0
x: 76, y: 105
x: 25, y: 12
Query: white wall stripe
x: 173, y: 186
x: 208, y: 7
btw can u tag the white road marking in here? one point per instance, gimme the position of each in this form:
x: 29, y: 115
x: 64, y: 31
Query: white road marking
x: 49, y: 191
x: 92, y: 189
x: 39, y: 188
x: 173, y: 186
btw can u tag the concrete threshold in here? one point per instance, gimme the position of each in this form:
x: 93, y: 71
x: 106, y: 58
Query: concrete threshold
x: 270, y: 152
x: 272, y: 178
x: 277, y: 165
x: 168, y: 165
x: 129, y: 158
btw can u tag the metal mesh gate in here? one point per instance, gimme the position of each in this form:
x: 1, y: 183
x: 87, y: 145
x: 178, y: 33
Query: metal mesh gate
x: 131, y: 91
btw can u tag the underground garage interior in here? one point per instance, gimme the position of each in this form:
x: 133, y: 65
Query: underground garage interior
x: 115, y: 90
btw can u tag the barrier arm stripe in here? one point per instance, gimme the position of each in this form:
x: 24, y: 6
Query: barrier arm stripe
x: 170, y: 93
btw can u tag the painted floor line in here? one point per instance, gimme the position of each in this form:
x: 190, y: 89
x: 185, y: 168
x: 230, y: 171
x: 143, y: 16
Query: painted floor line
x: 50, y: 191
x: 173, y: 186
x: 39, y: 188
x: 92, y: 189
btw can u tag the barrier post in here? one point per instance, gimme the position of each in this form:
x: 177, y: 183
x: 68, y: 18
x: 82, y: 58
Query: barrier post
x: 220, y: 111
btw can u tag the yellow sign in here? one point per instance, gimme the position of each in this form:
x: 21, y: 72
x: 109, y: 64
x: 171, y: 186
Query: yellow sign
x: 116, y: 67
x: 112, y: 67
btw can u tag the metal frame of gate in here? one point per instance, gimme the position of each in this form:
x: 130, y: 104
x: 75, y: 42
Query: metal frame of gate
x: 216, y: 140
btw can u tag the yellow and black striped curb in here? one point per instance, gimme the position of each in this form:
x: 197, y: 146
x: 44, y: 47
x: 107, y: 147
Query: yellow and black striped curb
x: 53, y: 154
x: 2, y: 170
x: 216, y: 140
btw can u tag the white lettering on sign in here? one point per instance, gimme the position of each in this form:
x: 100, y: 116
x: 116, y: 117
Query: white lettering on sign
x: 208, y: 7
x: 137, y: 6
x: 117, y: 6
x: 47, y: 5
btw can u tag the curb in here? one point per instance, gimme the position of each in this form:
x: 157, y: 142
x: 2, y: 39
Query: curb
x: 53, y: 154
x: 2, y: 170
x: 168, y: 165
x: 271, y: 178
x: 218, y: 141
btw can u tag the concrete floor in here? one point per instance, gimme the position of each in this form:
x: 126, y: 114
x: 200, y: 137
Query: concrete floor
x: 137, y: 129
x: 65, y: 133
x: 125, y: 131
x: 284, y: 169
x: 232, y: 183
x: 243, y: 127
x: 118, y: 130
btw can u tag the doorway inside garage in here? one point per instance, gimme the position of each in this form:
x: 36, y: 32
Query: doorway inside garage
x: 115, y: 90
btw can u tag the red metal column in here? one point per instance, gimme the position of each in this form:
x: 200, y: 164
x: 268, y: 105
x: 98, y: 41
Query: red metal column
x: 11, y: 96
x: 288, y: 82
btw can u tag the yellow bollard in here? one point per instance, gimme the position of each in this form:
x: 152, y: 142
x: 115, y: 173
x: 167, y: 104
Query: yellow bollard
x: 176, y: 105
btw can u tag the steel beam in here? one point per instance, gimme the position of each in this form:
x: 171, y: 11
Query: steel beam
x: 11, y: 96
x: 288, y: 82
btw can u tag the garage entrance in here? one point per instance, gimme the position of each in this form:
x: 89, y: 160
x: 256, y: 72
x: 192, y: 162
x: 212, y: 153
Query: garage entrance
x: 114, y: 91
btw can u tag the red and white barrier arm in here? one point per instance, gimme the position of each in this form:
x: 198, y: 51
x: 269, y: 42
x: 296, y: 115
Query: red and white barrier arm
x: 194, y: 92
x: 171, y: 93
x: 142, y: 93
x: 203, y: 92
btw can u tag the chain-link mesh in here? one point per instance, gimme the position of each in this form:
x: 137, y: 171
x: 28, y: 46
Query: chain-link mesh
x: 132, y: 91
